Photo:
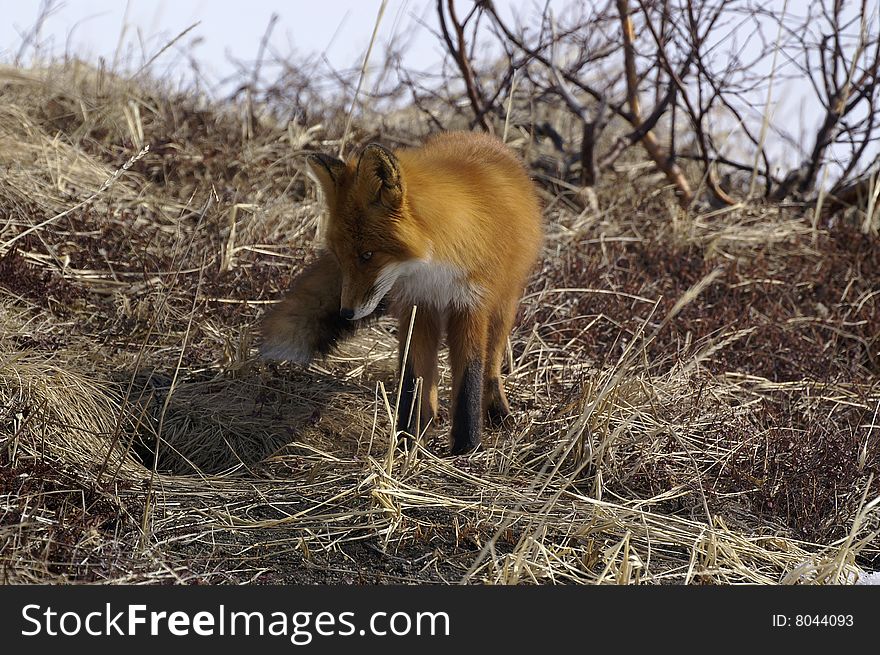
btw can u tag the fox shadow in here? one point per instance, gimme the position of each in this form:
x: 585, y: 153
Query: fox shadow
x: 209, y: 424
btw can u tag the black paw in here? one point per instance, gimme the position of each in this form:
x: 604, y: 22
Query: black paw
x: 498, y: 415
x: 405, y: 442
x: 464, y: 448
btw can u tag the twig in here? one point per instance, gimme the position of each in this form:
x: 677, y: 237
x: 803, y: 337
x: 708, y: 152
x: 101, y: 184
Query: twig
x: 458, y: 53
x: 363, y: 73
x: 673, y: 173
x: 766, y: 122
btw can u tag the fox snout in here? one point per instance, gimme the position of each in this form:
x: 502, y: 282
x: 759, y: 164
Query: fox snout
x: 351, y: 296
x: 360, y: 310
x: 354, y: 302
x: 362, y: 294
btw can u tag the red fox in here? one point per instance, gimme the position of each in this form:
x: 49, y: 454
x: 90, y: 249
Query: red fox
x: 454, y: 228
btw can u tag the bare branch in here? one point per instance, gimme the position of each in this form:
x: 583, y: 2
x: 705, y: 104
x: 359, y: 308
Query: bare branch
x: 673, y: 173
x: 457, y: 50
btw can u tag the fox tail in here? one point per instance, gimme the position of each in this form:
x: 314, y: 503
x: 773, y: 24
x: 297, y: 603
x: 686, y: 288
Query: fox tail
x: 306, y: 323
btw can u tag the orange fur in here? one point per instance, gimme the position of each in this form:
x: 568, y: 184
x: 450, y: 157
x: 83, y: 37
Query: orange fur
x: 453, y: 227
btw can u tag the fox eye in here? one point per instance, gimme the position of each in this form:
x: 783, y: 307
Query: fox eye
x: 365, y: 256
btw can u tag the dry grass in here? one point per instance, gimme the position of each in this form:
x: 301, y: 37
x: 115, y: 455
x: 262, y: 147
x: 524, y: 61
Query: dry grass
x: 696, y: 394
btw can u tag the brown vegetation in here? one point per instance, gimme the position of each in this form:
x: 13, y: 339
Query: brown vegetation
x: 696, y: 391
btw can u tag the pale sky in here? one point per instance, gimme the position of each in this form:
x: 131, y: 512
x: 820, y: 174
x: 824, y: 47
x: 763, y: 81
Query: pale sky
x: 227, y: 29
x: 92, y: 28
x: 232, y: 30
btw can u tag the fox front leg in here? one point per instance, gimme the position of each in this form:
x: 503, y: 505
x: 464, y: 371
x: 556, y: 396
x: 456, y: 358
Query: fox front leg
x: 467, y: 347
x: 421, y: 362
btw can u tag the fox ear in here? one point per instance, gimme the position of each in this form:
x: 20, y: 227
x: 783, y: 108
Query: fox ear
x: 378, y: 173
x: 328, y: 170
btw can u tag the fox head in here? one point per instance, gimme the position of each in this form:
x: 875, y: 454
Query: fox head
x: 369, y: 231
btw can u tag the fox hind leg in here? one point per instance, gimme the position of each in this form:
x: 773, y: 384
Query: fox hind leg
x: 495, y: 405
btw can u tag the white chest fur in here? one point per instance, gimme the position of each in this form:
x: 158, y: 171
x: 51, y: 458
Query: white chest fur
x: 435, y: 284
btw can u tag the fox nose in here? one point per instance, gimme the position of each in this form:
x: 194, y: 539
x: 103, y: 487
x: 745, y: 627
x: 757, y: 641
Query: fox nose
x: 346, y: 313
